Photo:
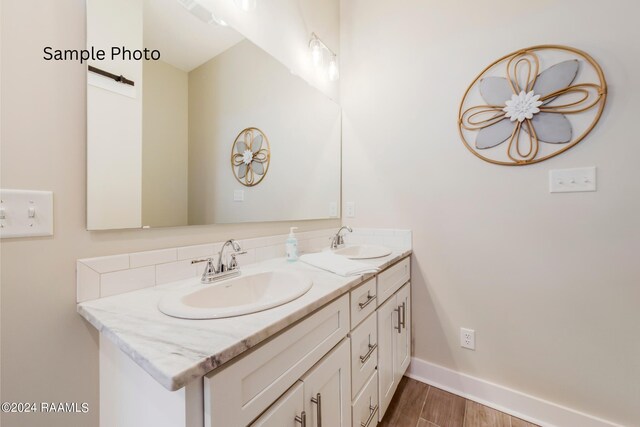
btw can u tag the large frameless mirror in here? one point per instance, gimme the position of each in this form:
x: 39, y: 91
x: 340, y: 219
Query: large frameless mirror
x: 208, y: 129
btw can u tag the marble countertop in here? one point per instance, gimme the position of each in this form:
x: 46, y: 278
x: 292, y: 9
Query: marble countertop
x: 177, y: 351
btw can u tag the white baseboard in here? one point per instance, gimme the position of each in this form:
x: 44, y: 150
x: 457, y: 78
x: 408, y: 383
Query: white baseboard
x: 520, y: 405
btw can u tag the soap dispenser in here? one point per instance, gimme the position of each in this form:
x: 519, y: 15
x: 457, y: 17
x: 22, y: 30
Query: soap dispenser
x: 291, y: 245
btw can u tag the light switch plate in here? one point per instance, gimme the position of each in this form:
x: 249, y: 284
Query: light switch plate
x: 26, y: 213
x: 238, y: 195
x: 572, y: 180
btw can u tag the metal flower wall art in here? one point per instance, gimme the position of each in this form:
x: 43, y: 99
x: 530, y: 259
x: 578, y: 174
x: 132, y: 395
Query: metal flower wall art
x: 250, y: 156
x: 532, y: 105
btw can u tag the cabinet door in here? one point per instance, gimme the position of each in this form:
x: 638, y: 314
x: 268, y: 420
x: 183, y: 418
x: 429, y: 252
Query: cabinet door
x: 387, y: 331
x: 287, y: 411
x: 327, y: 389
x: 403, y: 338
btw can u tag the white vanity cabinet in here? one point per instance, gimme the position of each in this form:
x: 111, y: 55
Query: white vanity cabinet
x: 394, y: 344
x: 381, y: 343
x: 337, y: 367
x: 394, y: 329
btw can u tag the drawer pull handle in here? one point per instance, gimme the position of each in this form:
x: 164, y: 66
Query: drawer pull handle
x: 399, y: 327
x: 404, y: 315
x: 369, y: 353
x: 302, y: 419
x: 318, y: 401
x: 373, y: 410
x: 370, y: 298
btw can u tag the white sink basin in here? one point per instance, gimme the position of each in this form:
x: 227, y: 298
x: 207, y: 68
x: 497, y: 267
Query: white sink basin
x: 363, y: 251
x: 237, y: 296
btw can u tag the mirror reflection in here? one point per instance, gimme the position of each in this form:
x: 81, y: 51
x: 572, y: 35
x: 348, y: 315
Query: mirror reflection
x: 215, y: 131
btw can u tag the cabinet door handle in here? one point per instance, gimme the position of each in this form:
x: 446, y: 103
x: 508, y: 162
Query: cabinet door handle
x: 369, y: 353
x: 399, y: 327
x: 373, y: 410
x: 404, y: 315
x: 318, y: 401
x: 370, y: 298
x: 302, y: 419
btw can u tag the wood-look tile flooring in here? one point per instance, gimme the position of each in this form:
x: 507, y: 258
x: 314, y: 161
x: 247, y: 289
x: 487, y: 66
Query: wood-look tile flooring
x: 416, y: 404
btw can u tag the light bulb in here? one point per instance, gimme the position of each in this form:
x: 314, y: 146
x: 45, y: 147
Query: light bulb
x: 248, y: 5
x: 333, y: 71
x: 316, y: 51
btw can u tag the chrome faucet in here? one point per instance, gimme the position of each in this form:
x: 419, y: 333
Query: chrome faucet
x: 337, y: 241
x: 221, y: 270
x: 233, y: 263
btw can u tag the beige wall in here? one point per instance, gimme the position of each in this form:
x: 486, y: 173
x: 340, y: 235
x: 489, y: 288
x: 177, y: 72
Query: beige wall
x: 48, y: 352
x: 246, y: 87
x: 165, y: 145
x: 550, y: 282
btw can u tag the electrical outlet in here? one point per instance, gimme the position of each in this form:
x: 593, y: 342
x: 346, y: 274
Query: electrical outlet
x: 468, y: 338
x: 350, y: 207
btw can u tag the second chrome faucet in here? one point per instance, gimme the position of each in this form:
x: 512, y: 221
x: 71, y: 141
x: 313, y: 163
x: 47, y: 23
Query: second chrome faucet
x: 221, y: 269
x: 337, y: 241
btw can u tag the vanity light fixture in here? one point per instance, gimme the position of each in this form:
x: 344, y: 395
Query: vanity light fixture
x: 202, y: 13
x: 318, y: 51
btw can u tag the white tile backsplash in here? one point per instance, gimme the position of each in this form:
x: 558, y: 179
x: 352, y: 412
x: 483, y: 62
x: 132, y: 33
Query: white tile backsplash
x: 198, y: 251
x: 107, y: 264
x: 317, y: 244
x: 248, y: 258
x: 133, y: 279
x: 112, y: 275
x: 268, y: 252
x: 143, y: 259
x: 179, y: 270
x: 87, y: 282
x: 386, y: 237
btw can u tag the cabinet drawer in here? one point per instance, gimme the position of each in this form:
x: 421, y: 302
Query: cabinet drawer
x: 390, y: 280
x: 364, y: 353
x: 236, y: 394
x: 363, y: 301
x: 365, y: 407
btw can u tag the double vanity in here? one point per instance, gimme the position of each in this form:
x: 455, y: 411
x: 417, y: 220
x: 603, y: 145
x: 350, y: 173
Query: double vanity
x: 281, y: 344
x: 190, y: 338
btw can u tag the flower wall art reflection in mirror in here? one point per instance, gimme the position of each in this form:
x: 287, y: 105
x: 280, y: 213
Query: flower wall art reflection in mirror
x: 250, y: 156
x: 532, y: 105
